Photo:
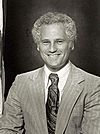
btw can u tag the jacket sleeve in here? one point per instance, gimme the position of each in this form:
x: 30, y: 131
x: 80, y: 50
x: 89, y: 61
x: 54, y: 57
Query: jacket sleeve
x: 12, y: 121
x: 91, y: 117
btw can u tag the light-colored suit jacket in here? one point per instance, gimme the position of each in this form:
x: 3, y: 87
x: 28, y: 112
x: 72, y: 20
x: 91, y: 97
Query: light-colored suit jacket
x: 79, y: 111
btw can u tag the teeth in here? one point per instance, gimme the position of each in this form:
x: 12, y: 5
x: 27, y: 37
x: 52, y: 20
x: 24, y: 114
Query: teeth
x: 52, y: 55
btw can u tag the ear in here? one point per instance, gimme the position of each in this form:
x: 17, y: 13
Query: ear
x: 72, y: 48
x: 71, y: 45
x: 38, y: 48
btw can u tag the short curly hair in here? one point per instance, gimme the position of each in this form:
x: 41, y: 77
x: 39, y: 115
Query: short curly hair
x: 51, y: 18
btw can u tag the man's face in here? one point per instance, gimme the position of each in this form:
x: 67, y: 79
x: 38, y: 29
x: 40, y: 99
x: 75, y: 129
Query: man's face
x: 54, y: 46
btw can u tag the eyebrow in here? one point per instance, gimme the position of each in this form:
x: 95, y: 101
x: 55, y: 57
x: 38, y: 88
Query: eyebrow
x: 43, y: 40
x: 60, y: 39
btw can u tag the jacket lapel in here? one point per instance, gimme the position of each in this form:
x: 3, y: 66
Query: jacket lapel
x: 72, y: 91
x: 37, y: 95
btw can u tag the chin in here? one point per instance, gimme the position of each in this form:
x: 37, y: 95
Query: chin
x: 53, y: 68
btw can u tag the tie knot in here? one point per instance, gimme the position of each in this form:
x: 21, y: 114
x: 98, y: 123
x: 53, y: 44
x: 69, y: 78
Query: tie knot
x: 54, y: 78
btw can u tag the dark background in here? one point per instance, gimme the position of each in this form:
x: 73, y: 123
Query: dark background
x: 20, y: 54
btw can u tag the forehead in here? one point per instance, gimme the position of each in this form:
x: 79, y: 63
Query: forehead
x: 55, y: 30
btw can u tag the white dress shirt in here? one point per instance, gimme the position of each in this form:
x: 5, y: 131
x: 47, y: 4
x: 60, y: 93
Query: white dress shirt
x: 62, y: 74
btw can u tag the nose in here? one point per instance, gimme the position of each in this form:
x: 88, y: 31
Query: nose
x: 52, y: 47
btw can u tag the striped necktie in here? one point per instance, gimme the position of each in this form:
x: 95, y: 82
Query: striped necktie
x: 52, y: 104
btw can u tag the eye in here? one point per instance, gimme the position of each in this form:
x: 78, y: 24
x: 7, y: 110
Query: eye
x: 59, y: 41
x: 45, y: 42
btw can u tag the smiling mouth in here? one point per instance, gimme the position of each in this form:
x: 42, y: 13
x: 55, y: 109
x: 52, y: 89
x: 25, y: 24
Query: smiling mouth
x: 52, y: 55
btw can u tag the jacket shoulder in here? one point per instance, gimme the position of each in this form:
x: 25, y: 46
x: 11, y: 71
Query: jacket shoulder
x: 22, y: 81
x: 29, y: 75
x: 89, y: 77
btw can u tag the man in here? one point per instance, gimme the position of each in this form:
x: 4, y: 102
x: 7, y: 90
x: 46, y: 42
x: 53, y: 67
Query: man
x: 58, y: 98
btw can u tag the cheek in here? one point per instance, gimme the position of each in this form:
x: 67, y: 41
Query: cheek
x: 66, y: 51
x: 41, y: 48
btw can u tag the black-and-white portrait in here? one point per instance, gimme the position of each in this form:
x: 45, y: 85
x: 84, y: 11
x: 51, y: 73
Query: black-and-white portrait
x: 51, y: 56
